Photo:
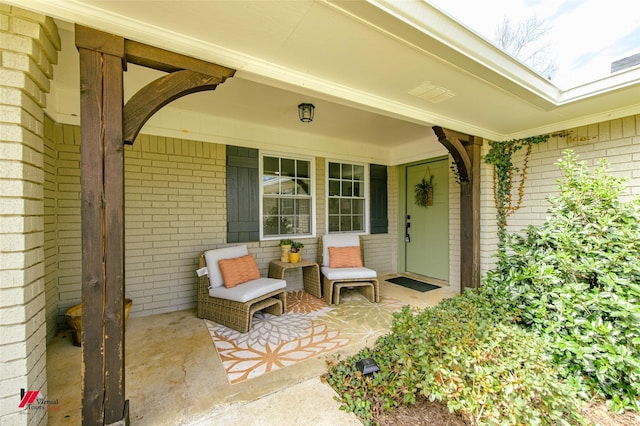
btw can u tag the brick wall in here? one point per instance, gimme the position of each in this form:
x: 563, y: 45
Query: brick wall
x: 50, y: 228
x: 29, y: 44
x: 454, y: 231
x: 381, y: 250
x: 617, y: 140
x: 175, y: 207
x: 67, y: 220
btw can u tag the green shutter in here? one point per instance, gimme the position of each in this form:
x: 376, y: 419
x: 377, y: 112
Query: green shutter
x: 378, y: 199
x: 243, y: 195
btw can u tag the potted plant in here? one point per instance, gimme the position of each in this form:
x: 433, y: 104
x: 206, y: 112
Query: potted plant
x: 294, y: 252
x: 285, y: 246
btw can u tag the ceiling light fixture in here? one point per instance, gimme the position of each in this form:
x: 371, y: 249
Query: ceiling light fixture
x: 305, y: 112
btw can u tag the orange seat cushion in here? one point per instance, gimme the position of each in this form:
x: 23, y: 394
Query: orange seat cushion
x: 345, y: 257
x: 238, y: 270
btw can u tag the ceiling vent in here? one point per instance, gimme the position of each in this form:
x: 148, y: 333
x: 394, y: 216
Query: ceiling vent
x: 432, y: 93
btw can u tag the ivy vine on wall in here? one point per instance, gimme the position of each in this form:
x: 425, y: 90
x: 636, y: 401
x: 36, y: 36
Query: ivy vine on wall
x: 505, y: 176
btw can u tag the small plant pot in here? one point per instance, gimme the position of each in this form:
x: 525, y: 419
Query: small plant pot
x: 284, y: 253
x: 74, y: 319
x: 294, y: 257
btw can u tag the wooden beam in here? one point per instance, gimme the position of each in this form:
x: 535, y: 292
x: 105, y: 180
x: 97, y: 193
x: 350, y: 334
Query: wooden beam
x: 164, y: 60
x: 104, y: 123
x: 148, y: 100
x: 102, y: 209
x: 114, y: 241
x: 452, y: 142
x: 470, y: 219
x: 91, y: 179
x: 97, y: 41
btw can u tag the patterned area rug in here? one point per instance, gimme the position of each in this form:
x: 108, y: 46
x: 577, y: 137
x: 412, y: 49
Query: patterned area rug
x: 308, y: 329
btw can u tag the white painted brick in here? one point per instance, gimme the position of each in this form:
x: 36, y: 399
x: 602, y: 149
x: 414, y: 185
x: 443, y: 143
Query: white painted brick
x: 613, y: 140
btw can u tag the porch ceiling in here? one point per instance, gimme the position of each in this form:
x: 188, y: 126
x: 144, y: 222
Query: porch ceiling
x: 356, y: 61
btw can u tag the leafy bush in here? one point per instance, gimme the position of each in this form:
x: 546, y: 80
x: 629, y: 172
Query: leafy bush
x: 576, y: 280
x: 573, y: 282
x: 464, y: 353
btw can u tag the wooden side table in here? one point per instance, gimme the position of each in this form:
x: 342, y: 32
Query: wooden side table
x: 310, y: 274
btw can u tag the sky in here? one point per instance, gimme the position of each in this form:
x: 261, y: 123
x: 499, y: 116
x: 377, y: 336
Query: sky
x: 586, y: 36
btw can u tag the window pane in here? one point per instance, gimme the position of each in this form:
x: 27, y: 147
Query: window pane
x: 303, y: 169
x: 334, y: 188
x: 303, y: 224
x: 303, y: 207
x: 270, y: 205
x: 334, y: 206
x: 303, y: 216
x: 345, y: 223
x: 287, y: 186
x: 358, y: 173
x: 345, y: 206
x: 334, y: 223
x: 358, y: 207
x: 277, y: 225
x: 286, y: 225
x: 271, y: 184
x: 288, y: 167
x: 347, y: 190
x: 286, y: 206
x: 271, y: 166
x: 270, y: 225
x: 357, y: 223
x: 334, y: 170
x: 302, y: 187
x: 347, y: 172
x: 358, y: 189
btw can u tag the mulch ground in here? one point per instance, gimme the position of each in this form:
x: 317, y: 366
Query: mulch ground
x: 422, y: 413
x: 426, y: 413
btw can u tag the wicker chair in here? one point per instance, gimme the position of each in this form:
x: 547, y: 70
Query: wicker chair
x: 230, y: 307
x: 334, y: 279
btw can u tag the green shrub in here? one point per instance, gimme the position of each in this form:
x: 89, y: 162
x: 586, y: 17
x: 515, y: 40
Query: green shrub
x: 576, y: 280
x: 466, y: 355
x: 573, y: 282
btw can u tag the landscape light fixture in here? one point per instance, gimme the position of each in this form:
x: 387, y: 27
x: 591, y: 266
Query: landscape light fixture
x: 367, y: 366
x: 305, y: 112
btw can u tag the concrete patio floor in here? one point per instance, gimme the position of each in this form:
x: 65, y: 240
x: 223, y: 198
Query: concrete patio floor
x: 174, y: 376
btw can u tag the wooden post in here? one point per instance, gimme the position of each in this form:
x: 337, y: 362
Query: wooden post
x: 102, y: 208
x: 470, y: 219
x: 103, y: 58
x: 465, y: 151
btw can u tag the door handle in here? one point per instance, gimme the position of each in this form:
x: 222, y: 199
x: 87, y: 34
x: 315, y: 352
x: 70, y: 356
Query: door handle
x: 407, y: 225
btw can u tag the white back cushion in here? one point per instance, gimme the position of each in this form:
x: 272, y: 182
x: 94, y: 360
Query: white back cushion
x: 212, y: 257
x: 337, y: 240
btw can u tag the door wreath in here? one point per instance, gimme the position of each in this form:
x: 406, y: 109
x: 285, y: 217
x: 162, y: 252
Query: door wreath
x: 424, y: 190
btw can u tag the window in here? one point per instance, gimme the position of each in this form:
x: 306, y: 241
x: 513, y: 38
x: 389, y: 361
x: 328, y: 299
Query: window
x: 346, y: 197
x: 287, y: 196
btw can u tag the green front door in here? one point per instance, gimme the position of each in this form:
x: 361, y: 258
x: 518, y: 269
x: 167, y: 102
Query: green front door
x: 427, y: 228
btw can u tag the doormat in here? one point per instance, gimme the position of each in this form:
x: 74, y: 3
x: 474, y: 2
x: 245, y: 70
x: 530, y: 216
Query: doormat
x: 308, y: 329
x: 412, y: 284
